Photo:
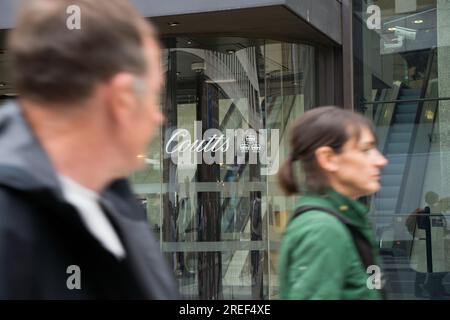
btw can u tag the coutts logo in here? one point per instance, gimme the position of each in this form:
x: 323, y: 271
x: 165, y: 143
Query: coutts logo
x: 234, y: 147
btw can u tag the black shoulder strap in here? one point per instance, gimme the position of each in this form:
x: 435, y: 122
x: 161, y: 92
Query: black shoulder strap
x: 362, y: 244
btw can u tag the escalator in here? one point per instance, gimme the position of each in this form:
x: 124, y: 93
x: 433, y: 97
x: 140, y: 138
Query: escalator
x: 396, y: 150
x: 403, y: 119
x: 399, y: 142
x: 410, y: 122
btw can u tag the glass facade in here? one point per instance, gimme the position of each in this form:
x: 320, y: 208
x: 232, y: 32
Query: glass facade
x: 210, y: 186
x: 401, y: 65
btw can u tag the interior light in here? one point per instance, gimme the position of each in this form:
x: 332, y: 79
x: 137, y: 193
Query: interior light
x: 429, y: 115
x: 418, y: 21
x: 174, y: 24
x: 392, y: 29
x: 221, y: 81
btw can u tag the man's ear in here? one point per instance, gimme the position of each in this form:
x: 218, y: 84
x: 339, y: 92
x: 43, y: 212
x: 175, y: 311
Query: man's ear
x: 122, y: 98
x: 326, y: 159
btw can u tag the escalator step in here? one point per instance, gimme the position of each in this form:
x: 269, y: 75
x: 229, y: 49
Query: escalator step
x: 387, y: 192
x: 382, y: 219
x: 403, y: 97
x: 409, y: 92
x: 407, y: 105
x: 402, y: 128
x: 393, y: 148
x: 400, y: 137
x: 406, y: 108
x: 391, y: 180
x: 405, y: 118
x: 393, y: 168
x: 385, y: 215
x: 396, y: 158
x: 386, y: 203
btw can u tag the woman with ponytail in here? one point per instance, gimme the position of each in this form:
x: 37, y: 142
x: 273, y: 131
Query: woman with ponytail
x: 328, y: 250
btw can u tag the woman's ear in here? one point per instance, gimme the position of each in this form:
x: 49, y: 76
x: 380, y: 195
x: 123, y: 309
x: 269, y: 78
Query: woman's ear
x: 326, y: 159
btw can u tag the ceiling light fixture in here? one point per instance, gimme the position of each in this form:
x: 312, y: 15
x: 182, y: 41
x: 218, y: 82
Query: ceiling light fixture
x: 392, y: 29
x: 418, y: 21
x: 174, y: 24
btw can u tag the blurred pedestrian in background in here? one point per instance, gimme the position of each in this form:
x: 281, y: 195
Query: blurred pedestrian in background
x: 70, y: 226
x: 329, y: 245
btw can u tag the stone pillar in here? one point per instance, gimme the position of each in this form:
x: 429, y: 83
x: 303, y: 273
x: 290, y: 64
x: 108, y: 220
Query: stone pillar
x: 443, y: 56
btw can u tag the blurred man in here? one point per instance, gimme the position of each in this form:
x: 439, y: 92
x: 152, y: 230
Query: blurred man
x: 70, y: 227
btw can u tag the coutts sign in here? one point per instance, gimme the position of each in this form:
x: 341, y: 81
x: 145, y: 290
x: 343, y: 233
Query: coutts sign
x: 236, y: 146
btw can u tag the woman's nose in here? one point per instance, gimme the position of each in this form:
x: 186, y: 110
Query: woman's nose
x: 381, y: 160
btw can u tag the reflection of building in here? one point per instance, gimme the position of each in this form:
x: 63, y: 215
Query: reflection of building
x: 245, y: 65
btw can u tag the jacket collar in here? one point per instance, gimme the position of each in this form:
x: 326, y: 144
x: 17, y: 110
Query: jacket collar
x: 353, y: 210
x: 23, y: 163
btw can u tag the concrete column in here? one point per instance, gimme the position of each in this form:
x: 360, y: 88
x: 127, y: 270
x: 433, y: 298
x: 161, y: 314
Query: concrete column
x: 443, y: 43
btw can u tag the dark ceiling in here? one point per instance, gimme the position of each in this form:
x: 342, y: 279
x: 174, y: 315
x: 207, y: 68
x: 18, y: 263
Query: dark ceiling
x: 273, y: 22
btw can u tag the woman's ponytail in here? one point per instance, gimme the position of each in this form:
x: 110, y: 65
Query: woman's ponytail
x: 286, y: 177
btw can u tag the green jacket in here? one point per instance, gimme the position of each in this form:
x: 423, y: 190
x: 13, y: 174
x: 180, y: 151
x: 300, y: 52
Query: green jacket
x: 318, y: 257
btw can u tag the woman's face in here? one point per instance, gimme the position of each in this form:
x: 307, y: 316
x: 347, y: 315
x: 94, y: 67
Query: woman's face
x: 358, y: 166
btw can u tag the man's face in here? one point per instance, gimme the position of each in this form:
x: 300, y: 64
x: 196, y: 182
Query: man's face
x: 146, y: 118
x: 359, y: 165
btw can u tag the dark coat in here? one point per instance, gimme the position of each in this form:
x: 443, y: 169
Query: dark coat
x: 41, y: 234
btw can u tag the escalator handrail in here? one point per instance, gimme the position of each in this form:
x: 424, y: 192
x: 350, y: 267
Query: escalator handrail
x: 409, y: 100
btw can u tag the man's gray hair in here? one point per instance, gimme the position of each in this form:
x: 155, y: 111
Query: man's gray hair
x: 54, y: 64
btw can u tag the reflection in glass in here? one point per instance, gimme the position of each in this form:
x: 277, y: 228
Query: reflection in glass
x: 401, y: 80
x: 218, y: 210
